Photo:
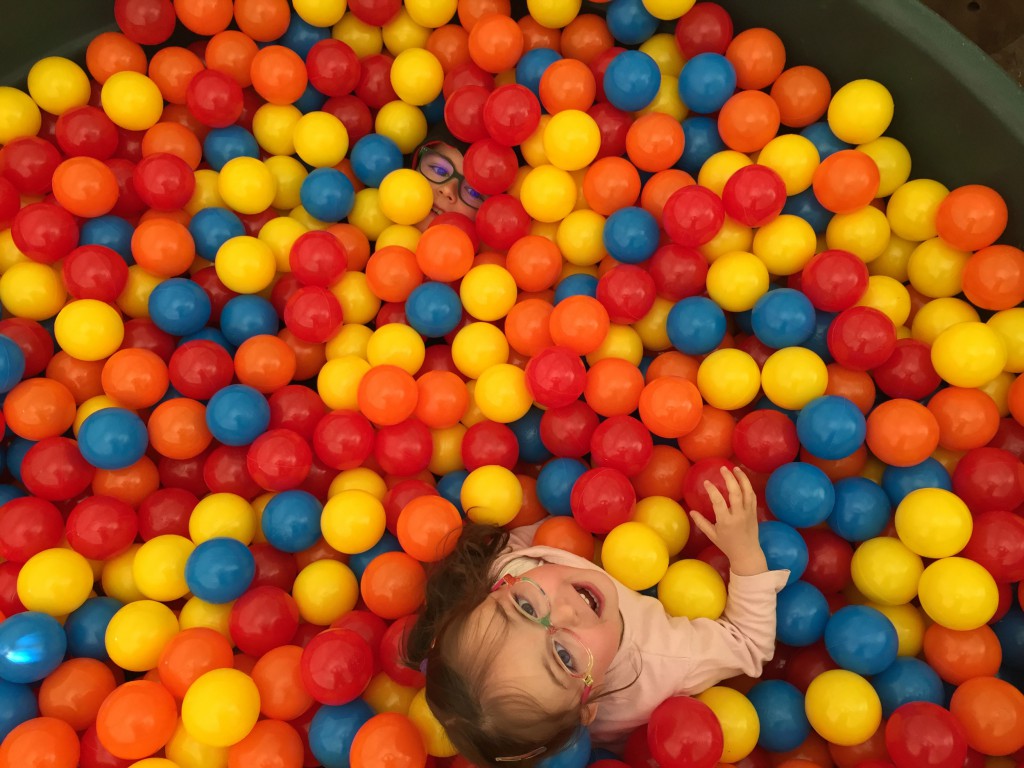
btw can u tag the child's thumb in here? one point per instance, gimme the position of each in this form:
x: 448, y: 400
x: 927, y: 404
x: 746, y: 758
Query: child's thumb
x: 705, y: 525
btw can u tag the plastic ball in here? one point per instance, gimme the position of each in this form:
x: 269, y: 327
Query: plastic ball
x: 237, y: 415
x: 728, y: 379
x: 794, y: 377
x: 693, y: 589
x: 831, y: 427
x: 491, y: 494
x: 32, y: 645
x: 113, y: 438
x: 968, y: 354
x: 860, y: 111
x: 132, y: 101
x: 843, y: 707
x: 352, y: 521
x: 990, y: 711
x: 737, y: 280
x: 219, y: 570
x: 685, y: 732
x: 933, y: 522
x: 137, y: 634
x: 958, y: 593
x: 925, y: 731
x: 548, y: 193
x: 783, y: 318
x: 336, y: 666
x: 738, y: 718
x: 221, y: 707
x: 861, y: 640
x: 636, y: 555
x: 800, y: 494
x: 780, y: 710
x: 886, y: 571
x: 696, y: 325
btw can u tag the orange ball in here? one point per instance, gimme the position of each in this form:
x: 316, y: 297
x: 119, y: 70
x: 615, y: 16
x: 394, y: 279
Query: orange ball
x: 579, y: 323
x: 278, y: 678
x: 566, y: 534
x: 356, y: 245
x: 660, y: 187
x: 387, y: 395
x: 711, y: 438
x: 611, y: 183
x: 537, y: 36
x: 586, y: 37
x: 495, y: 42
x: 135, y: 378
x: 663, y: 475
x: 393, y: 585
x: 38, y: 408
x: 173, y: 139
x: 389, y: 740
x: 902, y: 432
x: 856, y: 386
x: 392, y: 273
x: 177, y: 429
x: 748, y: 121
x: 75, y: 690
x: 266, y: 363
x: 112, y: 52
x: 971, y: 217
x: 172, y: 69
x: 567, y: 84
x: 310, y: 356
x: 81, y: 377
x: 204, y: 17
x: 671, y: 406
x: 993, y: 278
x: 654, y: 142
x: 132, y: 484
x: 163, y: 247
x: 190, y: 654
x: 270, y: 744
x: 992, y: 712
x: 613, y: 387
x: 279, y: 74
x: 41, y: 741
x: 803, y: 94
x: 263, y: 20
x: 534, y: 262
x: 1015, y: 399
x: 959, y: 655
x: 137, y: 719
x: 672, y: 363
x: 444, y: 253
x: 450, y: 46
x: 838, y: 469
x: 846, y: 181
x: 758, y: 56
x: 471, y: 11
x: 442, y: 399
x: 528, y: 326
x: 231, y: 52
x: 428, y: 528
x: 85, y: 187
x: 532, y: 511
x: 967, y: 418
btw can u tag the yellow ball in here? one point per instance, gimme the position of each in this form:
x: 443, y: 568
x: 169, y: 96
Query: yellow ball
x: 969, y: 354
x: 289, y: 174
x: 91, y: 406
x: 886, y: 571
x: 913, y: 206
x: 184, y: 751
x: 364, y: 39
x: 403, y: 123
x: 137, y: 634
x: 398, y: 234
x: 533, y: 147
x: 958, y: 593
x: 222, y: 515
x: 785, y: 245
x: 935, y: 268
x: 368, y: 215
x: 320, y: 13
x: 1009, y: 324
x: 894, y: 259
x: 794, y: 376
x: 324, y: 591
x: 548, y: 193
x: 57, y: 84
x: 134, y: 299
x: 501, y: 393
x: 938, y: 315
x: 406, y: 196
x: 571, y: 139
x: 447, y: 454
x: 32, y: 290
x: 693, y: 589
x: 351, y: 340
x: 728, y: 379
x: 156, y: 762
x: 794, y: 158
x: 385, y: 695
x: 431, y: 13
x: 738, y: 718
x: 55, y: 582
x: 89, y: 329
x: 159, y: 567
x: 358, y: 303
x: 864, y: 233
x: 338, y: 382
x: 280, y: 235
x: 737, y: 280
x: 435, y: 738
x: 488, y: 292
x: 245, y: 264
x: 19, y: 115
x: 666, y: 518
x: 662, y: 47
x: 352, y: 521
x: 416, y: 76
x: 402, y: 34
x: 9, y: 253
x: 247, y: 185
x: 221, y: 707
x: 206, y: 194
x: 553, y: 14
x: 396, y: 344
x: 893, y: 161
x: 860, y: 111
x: 622, y: 342
x: 733, y: 236
x: 909, y: 624
x: 361, y: 479
x: 636, y: 555
x: 669, y: 10
x: 843, y: 707
x: 933, y: 522
x: 653, y: 327
x: 580, y: 237
x: 477, y: 347
x: 199, y: 613
x: 132, y: 101
x: 117, y: 578
x: 321, y: 139
x: 273, y: 125
x: 720, y: 167
x: 999, y: 390
x: 492, y: 495
x: 889, y: 296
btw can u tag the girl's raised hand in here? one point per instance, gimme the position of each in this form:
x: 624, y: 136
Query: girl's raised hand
x: 735, y: 528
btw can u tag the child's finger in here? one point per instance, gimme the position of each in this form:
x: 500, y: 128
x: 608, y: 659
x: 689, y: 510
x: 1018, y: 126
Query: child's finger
x: 717, y: 500
x: 749, y: 497
x: 705, y: 525
x: 735, y: 492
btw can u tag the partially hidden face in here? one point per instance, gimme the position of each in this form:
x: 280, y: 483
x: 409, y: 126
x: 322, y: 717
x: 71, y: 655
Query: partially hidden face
x: 442, y: 165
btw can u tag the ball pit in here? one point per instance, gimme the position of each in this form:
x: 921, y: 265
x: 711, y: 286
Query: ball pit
x: 246, y: 399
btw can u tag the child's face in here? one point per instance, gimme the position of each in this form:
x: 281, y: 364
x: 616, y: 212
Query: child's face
x: 527, y: 658
x: 442, y: 165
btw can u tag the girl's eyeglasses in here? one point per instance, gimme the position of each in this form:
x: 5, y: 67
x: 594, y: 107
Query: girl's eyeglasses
x: 439, y: 170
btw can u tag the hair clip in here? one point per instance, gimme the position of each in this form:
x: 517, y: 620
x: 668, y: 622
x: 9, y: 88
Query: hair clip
x: 423, y: 667
x: 517, y: 758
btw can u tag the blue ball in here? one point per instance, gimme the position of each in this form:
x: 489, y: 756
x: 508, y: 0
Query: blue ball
x: 783, y: 318
x: 32, y: 645
x: 826, y: 142
x: 905, y: 680
x: 113, y: 438
x: 575, y: 754
x: 311, y: 100
x: 223, y: 144
x: 434, y: 111
x: 576, y: 285
x: 220, y: 570
x: 327, y: 195
x: 861, y: 510
x: 86, y: 628
x: 333, y: 729
x: 700, y: 141
x: 706, y: 82
x: 301, y: 36
x: 800, y: 494
x: 802, y: 613
x: 358, y: 562
x: 237, y: 415
x: 696, y: 325
x: 897, y: 482
x: 17, y: 704
x: 861, y: 639
x: 831, y: 427
x: 373, y: 157
x: 433, y: 309
x: 12, y: 364
x: 211, y: 228
x: 784, y: 548
x: 450, y: 487
x: 246, y: 316
x: 554, y: 484
x: 632, y: 79
x: 179, y: 307
x: 1010, y: 631
x: 15, y: 453
x: 8, y: 492
x: 629, y: 22
x: 805, y: 205
x: 527, y: 432
x: 291, y: 521
x: 532, y: 65
x: 630, y: 235
x: 112, y: 231
x: 209, y: 334
x: 818, y: 341
x: 780, y: 710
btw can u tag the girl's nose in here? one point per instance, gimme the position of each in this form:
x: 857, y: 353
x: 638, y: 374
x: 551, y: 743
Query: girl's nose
x: 450, y: 190
x: 565, y: 609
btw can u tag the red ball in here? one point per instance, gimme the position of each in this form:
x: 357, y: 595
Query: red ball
x: 166, y: 511
x: 279, y: 460
x: 28, y: 163
x: 997, y: 543
x: 27, y: 527
x: 921, y: 733
x: 405, y: 448
x: 622, y: 443
x: 376, y: 13
x: 333, y: 67
x: 95, y: 272
x: 165, y: 182
x: 336, y: 666
x: 705, y: 28
x: 754, y: 195
x: 828, y: 566
x: 612, y: 122
x: 53, y: 469
x: 44, y: 232
x: 678, y: 271
x: 627, y: 292
x: 101, y: 527
x: 765, y: 440
x: 392, y: 654
x: 988, y: 479
x: 511, y: 114
x: 399, y: 495
x: 861, y: 338
x: 317, y: 258
x: 274, y: 568
x: 694, y: 493
x: 199, y: 369
x: 87, y: 132
x: 908, y: 372
x: 297, y: 408
x: 490, y: 166
x: 556, y: 377
x: 488, y: 442
x: 834, y: 280
x: 463, y: 111
x: 693, y: 215
x: 353, y: 113
x: 374, y: 86
x: 567, y: 431
x: 214, y: 98
x: 33, y: 341
x: 225, y: 470
x: 684, y: 733
x: 146, y: 22
x: 501, y: 222
x: 601, y: 499
x: 218, y: 293
x: 313, y: 314
x: 263, y: 618
x: 343, y: 439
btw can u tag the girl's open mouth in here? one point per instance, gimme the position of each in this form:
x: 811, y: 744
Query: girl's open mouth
x: 591, y: 596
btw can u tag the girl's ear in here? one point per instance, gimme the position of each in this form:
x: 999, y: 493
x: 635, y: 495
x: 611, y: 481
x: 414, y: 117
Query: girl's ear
x: 589, y: 714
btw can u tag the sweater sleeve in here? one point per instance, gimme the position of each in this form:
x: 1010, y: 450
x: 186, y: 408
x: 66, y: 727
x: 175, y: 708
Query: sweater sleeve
x: 522, y: 537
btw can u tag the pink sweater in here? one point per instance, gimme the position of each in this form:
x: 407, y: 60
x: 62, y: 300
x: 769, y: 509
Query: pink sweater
x: 674, y: 656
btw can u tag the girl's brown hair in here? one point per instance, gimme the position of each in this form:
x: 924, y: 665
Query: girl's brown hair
x: 485, y: 725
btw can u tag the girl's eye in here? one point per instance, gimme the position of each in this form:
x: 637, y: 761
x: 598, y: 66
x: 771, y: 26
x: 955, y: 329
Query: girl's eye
x: 565, y: 657
x: 440, y: 170
x: 526, y: 607
x: 474, y: 194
